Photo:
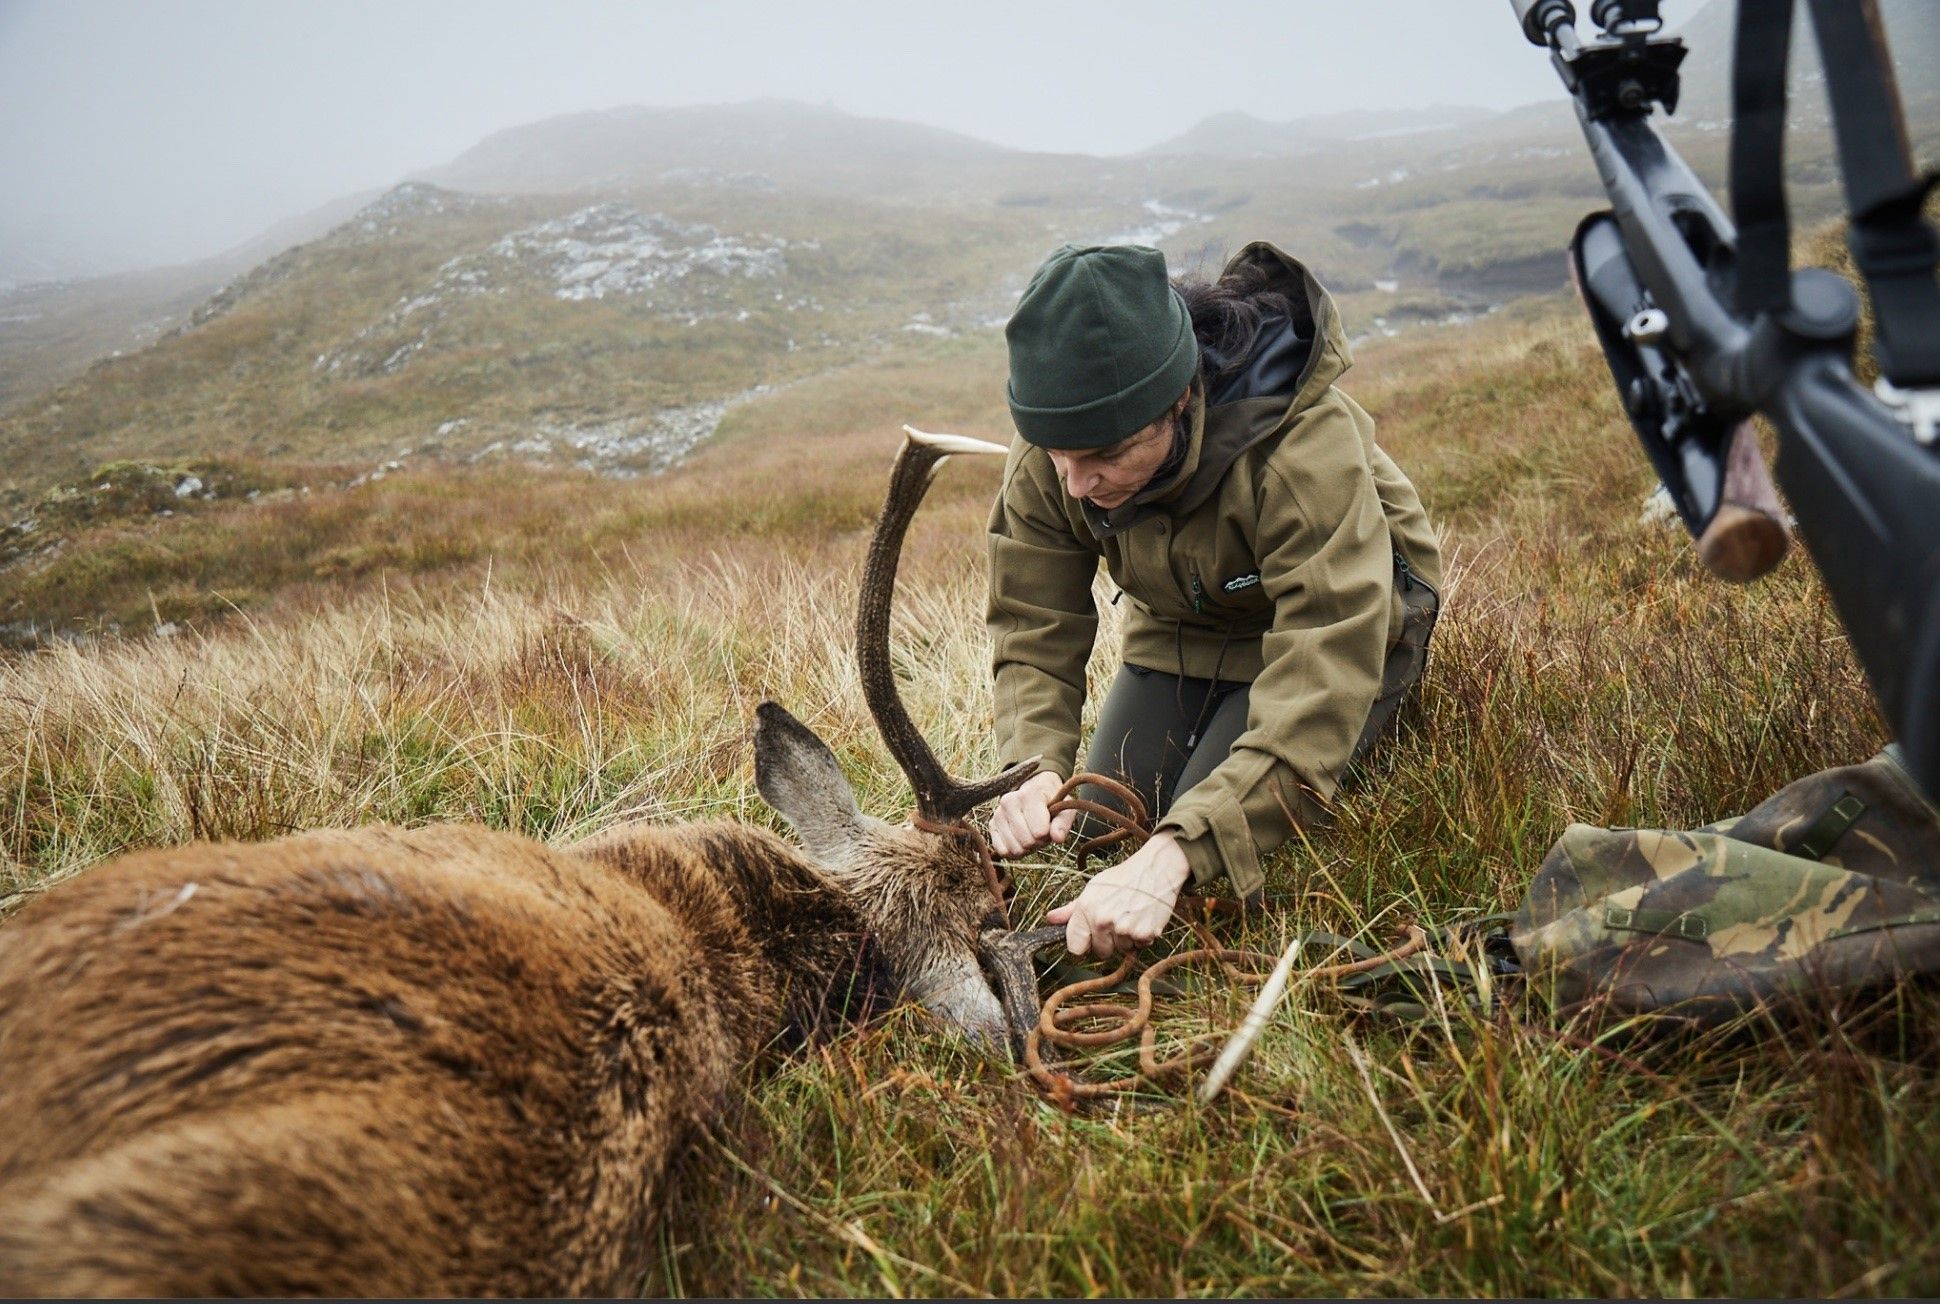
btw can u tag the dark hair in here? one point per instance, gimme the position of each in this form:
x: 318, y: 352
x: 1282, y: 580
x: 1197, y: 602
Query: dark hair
x: 1227, y: 314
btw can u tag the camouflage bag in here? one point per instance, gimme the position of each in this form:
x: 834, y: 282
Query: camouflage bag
x: 1830, y: 887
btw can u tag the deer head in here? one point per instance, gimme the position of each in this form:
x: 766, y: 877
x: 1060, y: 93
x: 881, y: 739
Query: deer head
x: 927, y: 887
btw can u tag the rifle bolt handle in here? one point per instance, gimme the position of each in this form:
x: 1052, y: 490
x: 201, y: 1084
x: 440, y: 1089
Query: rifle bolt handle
x: 1647, y: 327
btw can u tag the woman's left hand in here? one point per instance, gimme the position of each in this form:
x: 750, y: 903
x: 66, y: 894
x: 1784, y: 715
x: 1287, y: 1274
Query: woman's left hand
x: 1126, y: 906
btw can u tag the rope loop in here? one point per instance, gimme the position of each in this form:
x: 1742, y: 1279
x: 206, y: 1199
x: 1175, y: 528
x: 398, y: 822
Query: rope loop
x: 1061, y: 1023
x: 1068, y: 1020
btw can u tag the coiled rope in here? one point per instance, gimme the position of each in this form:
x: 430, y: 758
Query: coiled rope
x: 1062, y: 1023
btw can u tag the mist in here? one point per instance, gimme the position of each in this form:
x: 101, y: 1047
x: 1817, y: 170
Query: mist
x: 143, y: 134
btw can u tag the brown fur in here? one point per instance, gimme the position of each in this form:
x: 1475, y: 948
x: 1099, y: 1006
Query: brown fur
x: 390, y: 1062
x: 451, y: 1061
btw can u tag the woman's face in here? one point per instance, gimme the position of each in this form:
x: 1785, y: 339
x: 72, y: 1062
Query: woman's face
x: 1111, y: 476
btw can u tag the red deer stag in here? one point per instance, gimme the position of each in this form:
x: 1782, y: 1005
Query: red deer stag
x: 449, y: 1060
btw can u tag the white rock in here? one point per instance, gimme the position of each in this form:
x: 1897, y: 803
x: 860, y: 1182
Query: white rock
x: 1659, y: 509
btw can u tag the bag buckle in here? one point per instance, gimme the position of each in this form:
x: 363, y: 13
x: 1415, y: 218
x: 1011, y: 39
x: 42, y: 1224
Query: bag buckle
x: 1685, y: 924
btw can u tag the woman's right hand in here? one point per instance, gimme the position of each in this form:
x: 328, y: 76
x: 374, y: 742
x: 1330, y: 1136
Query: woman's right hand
x: 1023, y: 821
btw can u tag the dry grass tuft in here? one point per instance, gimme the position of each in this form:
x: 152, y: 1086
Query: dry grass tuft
x: 597, y: 652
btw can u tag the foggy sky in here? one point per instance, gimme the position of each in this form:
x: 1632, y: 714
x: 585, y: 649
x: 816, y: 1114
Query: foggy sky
x: 152, y: 131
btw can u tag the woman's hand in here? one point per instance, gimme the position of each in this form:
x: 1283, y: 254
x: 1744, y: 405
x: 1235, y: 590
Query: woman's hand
x: 1023, y: 821
x: 1126, y: 906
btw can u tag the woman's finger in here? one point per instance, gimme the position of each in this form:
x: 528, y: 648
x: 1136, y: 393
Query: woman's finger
x: 1036, y: 819
x: 1103, y: 939
x: 1006, y: 836
x: 1077, y: 929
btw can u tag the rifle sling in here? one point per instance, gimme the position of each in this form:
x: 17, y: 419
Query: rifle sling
x: 1764, y: 40
x: 1894, y: 246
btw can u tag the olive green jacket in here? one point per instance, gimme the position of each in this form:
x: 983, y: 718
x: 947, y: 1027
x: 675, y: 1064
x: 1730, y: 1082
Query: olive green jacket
x: 1268, y: 557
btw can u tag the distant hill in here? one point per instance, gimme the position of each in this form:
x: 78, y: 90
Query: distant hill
x: 758, y: 145
x: 50, y: 330
x: 1241, y: 135
x: 610, y: 330
x: 1912, y: 31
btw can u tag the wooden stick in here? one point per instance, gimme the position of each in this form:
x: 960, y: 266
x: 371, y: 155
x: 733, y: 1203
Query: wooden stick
x: 1241, y: 1043
x: 1747, y: 534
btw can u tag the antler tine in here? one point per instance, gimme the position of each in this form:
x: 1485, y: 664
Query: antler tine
x: 938, y: 795
x: 1006, y: 956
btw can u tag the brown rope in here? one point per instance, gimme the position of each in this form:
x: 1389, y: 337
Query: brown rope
x: 999, y: 886
x: 1131, y: 822
x: 1061, y: 1023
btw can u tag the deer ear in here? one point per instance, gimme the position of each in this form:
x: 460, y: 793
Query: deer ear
x: 796, y: 773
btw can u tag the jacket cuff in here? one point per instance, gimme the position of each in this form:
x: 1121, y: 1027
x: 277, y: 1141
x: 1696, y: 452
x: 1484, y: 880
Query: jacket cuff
x: 1219, y: 842
x: 1056, y: 751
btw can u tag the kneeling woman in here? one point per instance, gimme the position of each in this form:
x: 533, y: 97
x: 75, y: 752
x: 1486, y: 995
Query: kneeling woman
x: 1281, y: 574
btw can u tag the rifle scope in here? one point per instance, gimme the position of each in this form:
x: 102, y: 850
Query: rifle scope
x: 1540, y: 17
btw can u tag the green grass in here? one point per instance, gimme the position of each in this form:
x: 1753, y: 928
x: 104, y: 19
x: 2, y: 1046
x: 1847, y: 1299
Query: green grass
x: 552, y: 653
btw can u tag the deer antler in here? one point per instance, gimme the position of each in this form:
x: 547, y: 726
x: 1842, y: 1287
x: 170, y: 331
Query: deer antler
x: 938, y: 796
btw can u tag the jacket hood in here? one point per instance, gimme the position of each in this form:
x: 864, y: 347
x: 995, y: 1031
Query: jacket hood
x: 1290, y: 365
x: 1297, y: 358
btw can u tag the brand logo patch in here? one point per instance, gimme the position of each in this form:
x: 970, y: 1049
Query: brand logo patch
x: 1239, y: 582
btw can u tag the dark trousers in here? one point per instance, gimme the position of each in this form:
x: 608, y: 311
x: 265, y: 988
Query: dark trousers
x: 1161, y: 733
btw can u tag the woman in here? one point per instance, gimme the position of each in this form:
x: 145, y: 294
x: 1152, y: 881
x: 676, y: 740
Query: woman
x: 1281, y: 574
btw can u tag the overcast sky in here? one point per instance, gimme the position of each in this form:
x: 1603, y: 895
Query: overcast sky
x: 149, y: 131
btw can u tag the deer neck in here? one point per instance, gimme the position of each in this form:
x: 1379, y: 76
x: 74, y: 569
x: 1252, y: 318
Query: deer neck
x: 776, y: 924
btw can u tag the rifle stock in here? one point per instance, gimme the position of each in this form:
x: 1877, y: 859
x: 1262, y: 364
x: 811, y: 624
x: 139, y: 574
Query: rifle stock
x: 1711, y: 468
x: 1868, y: 503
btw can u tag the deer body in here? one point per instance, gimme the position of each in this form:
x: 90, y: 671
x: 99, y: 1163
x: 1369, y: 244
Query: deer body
x: 451, y: 1060
x: 391, y: 1062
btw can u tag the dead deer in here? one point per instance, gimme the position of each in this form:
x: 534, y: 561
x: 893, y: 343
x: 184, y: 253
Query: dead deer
x: 450, y: 1060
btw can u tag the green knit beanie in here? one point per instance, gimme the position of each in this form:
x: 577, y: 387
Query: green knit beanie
x: 1100, y: 346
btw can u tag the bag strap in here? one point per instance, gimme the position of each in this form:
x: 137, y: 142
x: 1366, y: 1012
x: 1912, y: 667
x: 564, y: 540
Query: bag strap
x: 1414, y: 988
x: 1831, y: 825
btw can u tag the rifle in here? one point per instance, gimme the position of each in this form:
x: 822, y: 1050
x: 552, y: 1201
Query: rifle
x: 1704, y: 324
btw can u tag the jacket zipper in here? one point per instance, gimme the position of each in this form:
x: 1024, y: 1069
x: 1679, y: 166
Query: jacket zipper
x: 1407, y: 576
x: 1198, y: 594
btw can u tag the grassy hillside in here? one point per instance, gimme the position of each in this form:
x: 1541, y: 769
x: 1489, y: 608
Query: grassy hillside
x: 595, y: 289
x: 461, y: 328
x: 589, y: 650
x: 49, y: 333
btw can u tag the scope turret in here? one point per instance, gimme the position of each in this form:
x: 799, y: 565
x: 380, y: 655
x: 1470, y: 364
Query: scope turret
x: 1541, y: 17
